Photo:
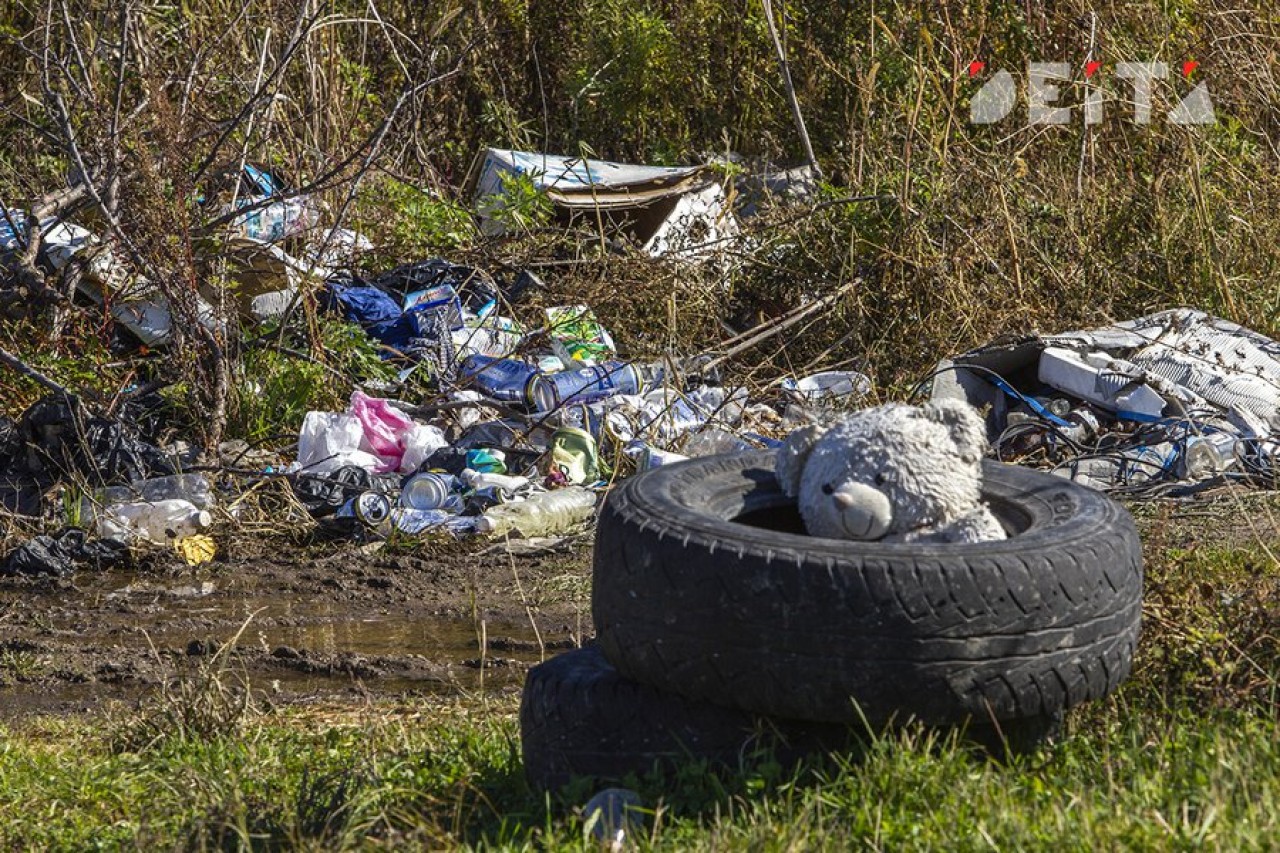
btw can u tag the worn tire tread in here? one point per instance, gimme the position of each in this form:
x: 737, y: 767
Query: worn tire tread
x: 804, y: 628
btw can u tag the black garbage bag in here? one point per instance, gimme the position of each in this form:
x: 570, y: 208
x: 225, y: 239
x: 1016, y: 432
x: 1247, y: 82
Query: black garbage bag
x: 10, y: 444
x: 323, y: 494
x: 63, y: 440
x: 61, y: 554
x: 451, y: 460
x: 516, y: 288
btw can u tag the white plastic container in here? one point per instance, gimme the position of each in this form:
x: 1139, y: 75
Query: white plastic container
x: 543, y: 514
x: 160, y: 522
x: 831, y: 384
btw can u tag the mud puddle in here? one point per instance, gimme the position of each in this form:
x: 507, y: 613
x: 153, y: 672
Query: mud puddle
x: 296, y: 626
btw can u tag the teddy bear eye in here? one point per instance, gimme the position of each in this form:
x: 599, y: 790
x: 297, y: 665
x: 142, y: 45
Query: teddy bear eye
x: 828, y: 489
x: 881, y: 479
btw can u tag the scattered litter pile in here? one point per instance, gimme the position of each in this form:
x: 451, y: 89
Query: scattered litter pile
x: 1164, y: 404
x: 129, y: 486
x: 255, y: 217
x: 530, y: 420
x: 531, y: 410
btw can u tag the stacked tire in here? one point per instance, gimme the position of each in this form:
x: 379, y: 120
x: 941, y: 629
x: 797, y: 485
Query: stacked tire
x: 721, y: 627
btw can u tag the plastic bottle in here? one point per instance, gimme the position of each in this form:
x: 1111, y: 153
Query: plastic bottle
x: 1147, y: 463
x: 711, y: 441
x: 188, y: 487
x: 1136, y: 466
x: 541, y: 515
x: 485, y: 480
x: 1058, y: 406
x: 652, y: 457
x: 159, y: 521
x: 611, y: 817
x: 1083, y: 425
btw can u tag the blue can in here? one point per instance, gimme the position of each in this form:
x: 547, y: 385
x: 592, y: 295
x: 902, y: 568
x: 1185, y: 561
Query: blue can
x: 549, y: 391
x: 502, y: 379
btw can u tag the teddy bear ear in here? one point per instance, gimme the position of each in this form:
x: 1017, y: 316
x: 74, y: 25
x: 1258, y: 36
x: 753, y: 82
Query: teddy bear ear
x: 965, y: 425
x: 793, y: 455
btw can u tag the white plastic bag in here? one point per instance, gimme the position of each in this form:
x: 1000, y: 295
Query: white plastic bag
x: 328, y: 441
x: 419, y: 443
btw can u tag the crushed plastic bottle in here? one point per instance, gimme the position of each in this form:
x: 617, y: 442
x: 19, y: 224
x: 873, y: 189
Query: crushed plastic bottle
x: 1136, y: 466
x: 159, y: 522
x: 1082, y: 424
x: 1148, y: 463
x: 543, y: 514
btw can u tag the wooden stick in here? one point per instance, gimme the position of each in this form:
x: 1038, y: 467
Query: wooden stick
x: 791, y: 89
x: 16, y: 364
x: 771, y: 327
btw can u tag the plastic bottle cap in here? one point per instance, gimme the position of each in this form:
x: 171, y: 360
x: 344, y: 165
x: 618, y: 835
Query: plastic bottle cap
x: 203, y: 519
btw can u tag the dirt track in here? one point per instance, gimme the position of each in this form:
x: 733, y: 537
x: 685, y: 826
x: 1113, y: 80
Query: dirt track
x: 319, y: 621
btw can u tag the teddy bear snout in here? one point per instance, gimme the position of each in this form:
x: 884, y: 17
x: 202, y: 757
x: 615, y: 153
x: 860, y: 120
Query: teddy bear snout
x: 865, y: 512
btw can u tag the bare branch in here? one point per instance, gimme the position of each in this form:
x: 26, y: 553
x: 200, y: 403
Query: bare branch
x: 301, y: 31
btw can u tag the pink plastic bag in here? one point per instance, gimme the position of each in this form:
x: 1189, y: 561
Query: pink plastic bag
x: 385, y: 428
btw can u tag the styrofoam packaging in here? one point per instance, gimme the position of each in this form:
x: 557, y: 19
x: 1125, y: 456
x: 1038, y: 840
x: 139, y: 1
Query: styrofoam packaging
x: 1112, y: 384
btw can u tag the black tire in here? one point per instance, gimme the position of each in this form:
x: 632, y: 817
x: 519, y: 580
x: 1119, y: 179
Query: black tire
x: 776, y: 622
x: 579, y: 717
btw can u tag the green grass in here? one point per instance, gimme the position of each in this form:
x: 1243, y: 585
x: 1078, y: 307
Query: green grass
x: 434, y: 775
x: 1185, y: 755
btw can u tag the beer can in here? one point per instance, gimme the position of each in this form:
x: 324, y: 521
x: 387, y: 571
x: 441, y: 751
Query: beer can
x: 549, y: 391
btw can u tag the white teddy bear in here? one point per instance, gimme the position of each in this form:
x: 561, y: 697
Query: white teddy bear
x: 895, y: 473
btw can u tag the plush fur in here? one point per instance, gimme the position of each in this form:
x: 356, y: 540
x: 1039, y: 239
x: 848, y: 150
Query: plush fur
x: 895, y: 473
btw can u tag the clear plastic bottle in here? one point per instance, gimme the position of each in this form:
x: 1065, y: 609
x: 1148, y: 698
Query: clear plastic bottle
x: 542, y: 514
x: 187, y: 487
x: 1083, y: 425
x: 613, y: 819
x: 712, y: 441
x: 154, y: 521
x: 1149, y: 463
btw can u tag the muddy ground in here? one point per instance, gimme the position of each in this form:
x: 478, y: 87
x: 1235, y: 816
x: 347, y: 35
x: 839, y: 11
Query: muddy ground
x: 316, y: 621
x: 324, y: 620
